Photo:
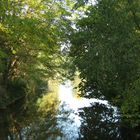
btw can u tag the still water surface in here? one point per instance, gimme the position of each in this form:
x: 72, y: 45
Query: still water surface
x: 76, y: 118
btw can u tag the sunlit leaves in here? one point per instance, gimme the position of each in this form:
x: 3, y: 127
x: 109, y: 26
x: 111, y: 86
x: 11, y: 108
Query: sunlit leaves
x: 31, y: 33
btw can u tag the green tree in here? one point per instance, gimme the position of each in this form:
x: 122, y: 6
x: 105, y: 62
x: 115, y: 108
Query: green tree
x: 105, y: 48
x: 31, y: 34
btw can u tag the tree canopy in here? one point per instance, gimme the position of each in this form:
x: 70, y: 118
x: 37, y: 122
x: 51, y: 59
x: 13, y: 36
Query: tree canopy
x: 54, y: 39
x: 31, y: 34
x: 105, y: 49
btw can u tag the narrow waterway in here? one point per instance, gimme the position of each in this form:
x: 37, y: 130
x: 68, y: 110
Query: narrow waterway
x: 71, y: 120
x: 68, y: 118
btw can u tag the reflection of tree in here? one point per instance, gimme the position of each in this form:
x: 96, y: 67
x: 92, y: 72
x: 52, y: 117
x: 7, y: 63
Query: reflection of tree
x: 44, y: 125
x: 32, y: 120
x: 66, y: 122
x: 42, y: 129
x: 99, y: 123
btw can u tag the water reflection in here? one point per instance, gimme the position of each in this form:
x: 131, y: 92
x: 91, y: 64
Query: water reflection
x: 68, y: 119
x: 99, y: 122
x: 72, y: 119
x: 92, y: 118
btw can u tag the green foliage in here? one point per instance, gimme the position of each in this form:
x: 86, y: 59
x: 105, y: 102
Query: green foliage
x: 31, y: 34
x: 130, y: 107
x: 105, y: 49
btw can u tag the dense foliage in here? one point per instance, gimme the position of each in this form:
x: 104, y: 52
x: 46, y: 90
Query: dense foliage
x: 105, y: 49
x: 31, y: 34
x: 44, y: 39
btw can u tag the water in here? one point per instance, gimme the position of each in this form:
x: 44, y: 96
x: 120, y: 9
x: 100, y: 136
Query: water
x: 75, y: 120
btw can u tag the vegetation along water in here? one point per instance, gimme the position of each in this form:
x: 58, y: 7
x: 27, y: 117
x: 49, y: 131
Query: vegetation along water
x: 69, y: 69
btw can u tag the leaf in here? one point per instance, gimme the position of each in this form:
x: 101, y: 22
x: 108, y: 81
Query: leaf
x: 14, y: 52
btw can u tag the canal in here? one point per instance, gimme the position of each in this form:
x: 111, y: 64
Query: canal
x: 64, y: 116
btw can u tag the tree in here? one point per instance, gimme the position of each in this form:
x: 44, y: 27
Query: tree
x: 105, y: 48
x: 31, y: 33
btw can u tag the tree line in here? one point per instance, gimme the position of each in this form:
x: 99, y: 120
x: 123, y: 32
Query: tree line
x: 101, y: 43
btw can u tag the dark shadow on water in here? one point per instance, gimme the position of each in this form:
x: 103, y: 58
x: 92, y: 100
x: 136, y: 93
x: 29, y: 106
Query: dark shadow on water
x: 99, y: 123
x: 102, y: 122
